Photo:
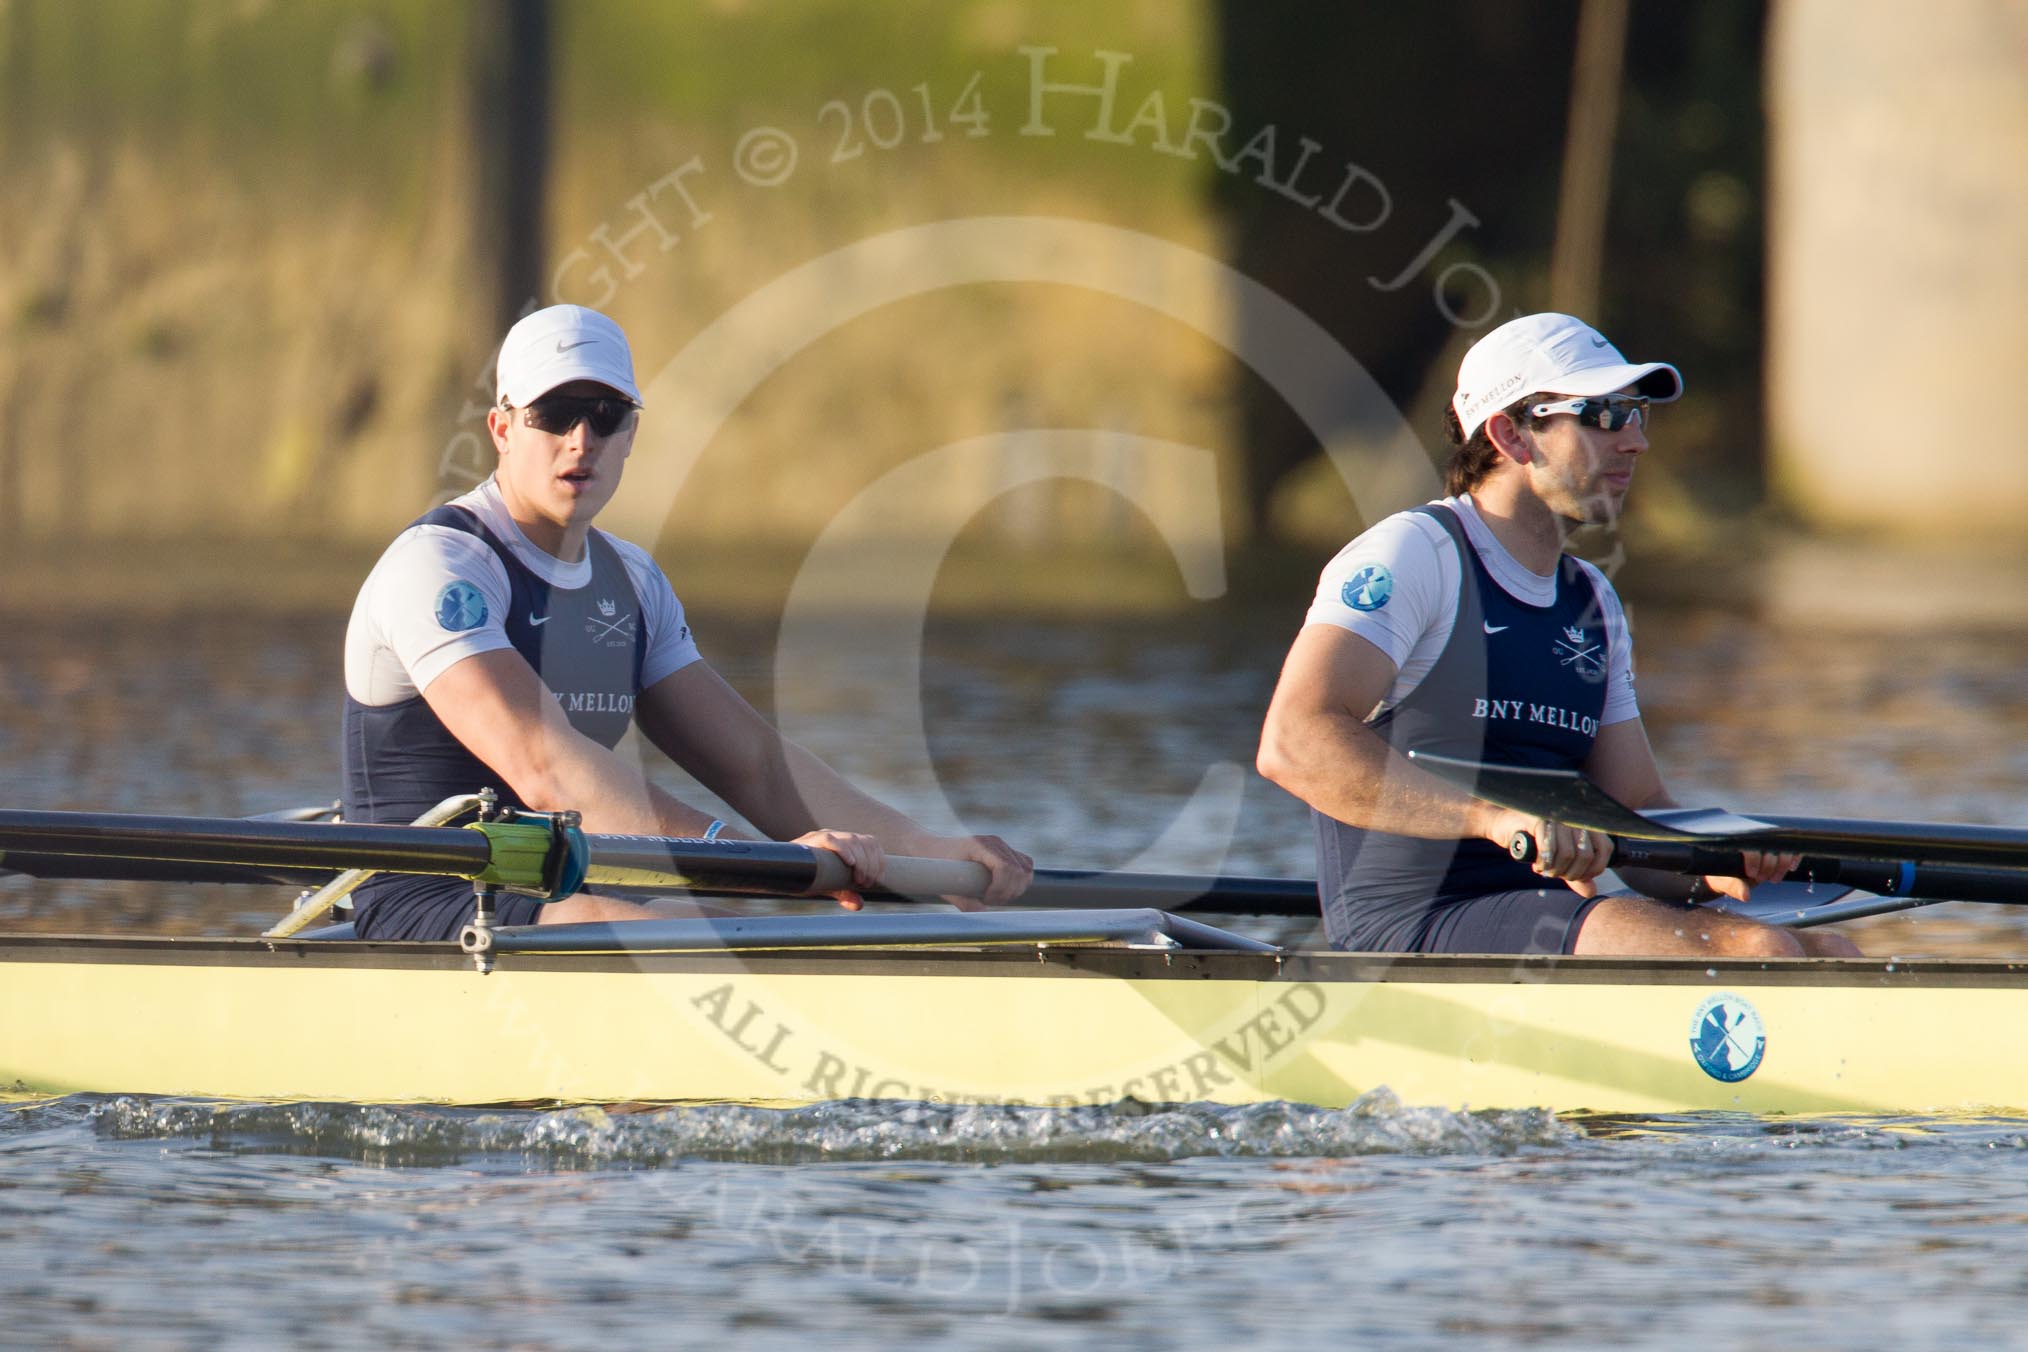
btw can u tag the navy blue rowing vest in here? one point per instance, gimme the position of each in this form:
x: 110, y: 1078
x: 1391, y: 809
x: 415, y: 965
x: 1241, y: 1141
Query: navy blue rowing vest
x: 1515, y: 685
x: 587, y: 643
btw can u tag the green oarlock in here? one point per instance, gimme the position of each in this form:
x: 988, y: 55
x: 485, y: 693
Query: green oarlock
x: 521, y: 855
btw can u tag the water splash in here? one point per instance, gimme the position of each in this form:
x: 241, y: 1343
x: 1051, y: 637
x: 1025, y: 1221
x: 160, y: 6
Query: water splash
x: 1744, y: 1134
x: 844, y: 1131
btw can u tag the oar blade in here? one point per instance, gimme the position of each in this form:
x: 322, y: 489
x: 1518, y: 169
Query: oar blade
x: 1567, y: 796
x: 1560, y: 795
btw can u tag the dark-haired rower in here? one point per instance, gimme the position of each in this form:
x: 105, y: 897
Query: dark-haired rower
x: 1462, y: 627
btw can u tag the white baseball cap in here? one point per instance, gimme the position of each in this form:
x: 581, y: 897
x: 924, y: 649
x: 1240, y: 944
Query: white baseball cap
x: 1553, y: 354
x: 558, y: 345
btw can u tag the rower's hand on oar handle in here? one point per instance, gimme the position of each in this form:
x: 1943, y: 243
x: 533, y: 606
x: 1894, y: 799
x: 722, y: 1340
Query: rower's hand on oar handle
x: 1555, y: 850
x: 1756, y: 866
x: 1008, y: 871
x: 970, y: 872
x: 861, y: 854
x: 1727, y: 874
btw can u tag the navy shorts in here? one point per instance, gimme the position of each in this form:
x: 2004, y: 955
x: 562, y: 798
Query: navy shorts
x: 431, y: 908
x: 1533, y: 920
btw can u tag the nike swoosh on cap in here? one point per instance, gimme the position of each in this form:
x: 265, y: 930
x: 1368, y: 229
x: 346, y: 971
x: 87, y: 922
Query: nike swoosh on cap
x: 562, y: 346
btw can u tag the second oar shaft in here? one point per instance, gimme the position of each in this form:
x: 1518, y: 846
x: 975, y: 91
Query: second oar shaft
x: 776, y: 869
x: 1884, y: 877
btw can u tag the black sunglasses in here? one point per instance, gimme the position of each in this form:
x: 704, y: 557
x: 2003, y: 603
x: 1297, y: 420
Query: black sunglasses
x: 556, y: 414
x: 1606, y: 412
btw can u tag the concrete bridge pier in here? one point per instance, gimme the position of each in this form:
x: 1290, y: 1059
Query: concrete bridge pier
x: 1898, y: 265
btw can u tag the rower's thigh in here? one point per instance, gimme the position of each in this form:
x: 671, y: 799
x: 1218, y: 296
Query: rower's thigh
x: 1827, y: 943
x: 1638, y: 927
x: 589, y: 906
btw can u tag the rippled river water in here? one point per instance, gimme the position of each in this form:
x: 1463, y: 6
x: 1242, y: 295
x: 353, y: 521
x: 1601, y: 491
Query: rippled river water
x: 156, y: 1222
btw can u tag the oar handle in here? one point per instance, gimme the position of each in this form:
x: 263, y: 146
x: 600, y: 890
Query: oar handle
x: 1701, y: 861
x: 1661, y: 855
x: 907, y: 875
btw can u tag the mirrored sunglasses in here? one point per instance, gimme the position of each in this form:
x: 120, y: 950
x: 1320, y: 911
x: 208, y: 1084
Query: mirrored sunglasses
x: 1606, y: 412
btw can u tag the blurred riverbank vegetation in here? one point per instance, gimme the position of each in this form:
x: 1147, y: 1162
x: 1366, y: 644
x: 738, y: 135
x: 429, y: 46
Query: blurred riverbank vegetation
x: 239, y: 293
x: 245, y: 298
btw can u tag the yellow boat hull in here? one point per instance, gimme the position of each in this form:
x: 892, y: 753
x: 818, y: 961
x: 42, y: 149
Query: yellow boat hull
x: 411, y: 1022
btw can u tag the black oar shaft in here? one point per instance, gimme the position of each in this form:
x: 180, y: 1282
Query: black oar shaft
x: 1928, y: 882
x: 211, y: 849
x: 1666, y: 856
x: 1883, y: 877
x: 731, y: 866
x: 1937, y: 842
x: 446, y: 851
x: 772, y: 868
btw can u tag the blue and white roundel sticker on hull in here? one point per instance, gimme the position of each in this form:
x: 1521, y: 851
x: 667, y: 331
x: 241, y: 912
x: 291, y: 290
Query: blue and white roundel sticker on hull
x: 1727, y: 1038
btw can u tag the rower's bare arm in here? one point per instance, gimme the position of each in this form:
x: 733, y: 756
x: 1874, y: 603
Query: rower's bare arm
x: 709, y: 729
x: 1623, y: 764
x: 497, y: 705
x: 1315, y: 743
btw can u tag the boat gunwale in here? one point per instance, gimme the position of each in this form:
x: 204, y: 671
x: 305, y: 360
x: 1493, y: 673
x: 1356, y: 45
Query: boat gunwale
x: 1027, y: 959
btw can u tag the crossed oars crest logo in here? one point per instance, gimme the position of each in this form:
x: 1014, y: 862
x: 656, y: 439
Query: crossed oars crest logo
x: 1573, y: 651
x: 603, y: 628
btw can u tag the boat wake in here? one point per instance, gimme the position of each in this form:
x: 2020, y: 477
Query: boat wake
x: 844, y: 1131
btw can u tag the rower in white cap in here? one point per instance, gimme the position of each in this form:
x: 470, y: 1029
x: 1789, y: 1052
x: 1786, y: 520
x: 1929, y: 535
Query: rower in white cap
x: 1463, y: 628
x: 502, y: 640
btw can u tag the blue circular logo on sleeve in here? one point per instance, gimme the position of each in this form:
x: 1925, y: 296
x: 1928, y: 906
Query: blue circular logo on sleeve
x: 1727, y: 1038
x: 1369, y: 588
x: 460, y: 607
